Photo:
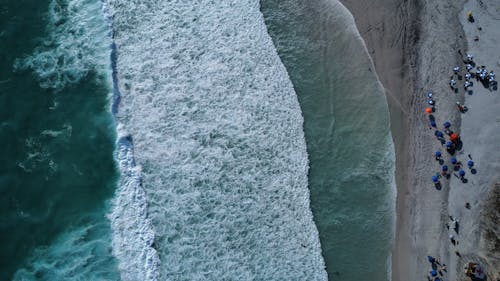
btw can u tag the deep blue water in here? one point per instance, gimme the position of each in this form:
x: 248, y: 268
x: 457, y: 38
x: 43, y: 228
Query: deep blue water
x: 57, y: 143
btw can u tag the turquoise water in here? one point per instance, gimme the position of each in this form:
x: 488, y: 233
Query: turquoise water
x: 346, y: 125
x: 211, y: 146
x: 57, y: 143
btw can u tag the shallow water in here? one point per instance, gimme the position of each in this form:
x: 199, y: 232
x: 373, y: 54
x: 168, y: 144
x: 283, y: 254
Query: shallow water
x: 57, y: 142
x: 346, y: 124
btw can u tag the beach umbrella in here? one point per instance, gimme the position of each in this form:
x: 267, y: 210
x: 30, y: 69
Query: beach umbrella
x: 429, y: 95
x: 433, y: 123
x: 447, y: 124
x: 428, y: 110
x: 439, y: 134
x: 431, y: 259
x: 454, y: 137
x: 453, y: 160
x: 448, y: 144
x: 444, y: 168
x: 470, y: 163
x: 461, y: 173
x: 437, y: 279
x: 435, y: 179
x: 431, y: 102
x: 434, y: 273
x: 437, y: 153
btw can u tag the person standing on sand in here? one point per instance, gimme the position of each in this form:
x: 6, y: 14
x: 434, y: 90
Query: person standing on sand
x: 431, y: 259
x: 469, y: 58
x: 453, y: 83
x: 452, y: 239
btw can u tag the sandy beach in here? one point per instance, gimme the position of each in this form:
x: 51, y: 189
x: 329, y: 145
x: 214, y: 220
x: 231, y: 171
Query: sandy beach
x: 415, y: 47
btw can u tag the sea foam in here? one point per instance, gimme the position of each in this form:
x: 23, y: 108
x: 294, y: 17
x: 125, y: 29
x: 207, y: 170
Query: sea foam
x: 217, y: 132
x: 77, y: 43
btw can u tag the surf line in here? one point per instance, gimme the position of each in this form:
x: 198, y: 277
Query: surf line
x: 130, y: 180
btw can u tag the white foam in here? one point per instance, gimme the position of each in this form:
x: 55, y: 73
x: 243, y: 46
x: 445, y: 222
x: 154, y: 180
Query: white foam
x: 218, y: 132
x: 133, y: 235
x: 77, y: 43
x: 80, y: 253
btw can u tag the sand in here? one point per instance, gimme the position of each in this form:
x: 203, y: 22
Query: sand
x: 414, y: 47
x: 480, y: 129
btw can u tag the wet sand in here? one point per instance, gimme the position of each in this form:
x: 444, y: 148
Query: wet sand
x: 414, y: 47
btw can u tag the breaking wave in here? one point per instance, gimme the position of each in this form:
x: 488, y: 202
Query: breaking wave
x: 217, y: 134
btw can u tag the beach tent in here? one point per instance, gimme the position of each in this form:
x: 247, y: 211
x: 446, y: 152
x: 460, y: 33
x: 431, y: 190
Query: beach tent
x: 435, y: 179
x: 447, y: 124
x: 453, y: 160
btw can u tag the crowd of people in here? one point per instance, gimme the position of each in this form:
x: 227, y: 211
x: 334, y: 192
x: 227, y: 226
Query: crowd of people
x: 449, y: 164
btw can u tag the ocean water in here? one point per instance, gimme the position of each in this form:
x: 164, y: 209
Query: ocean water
x: 219, y: 164
x: 346, y: 123
x: 57, y: 142
x: 202, y: 174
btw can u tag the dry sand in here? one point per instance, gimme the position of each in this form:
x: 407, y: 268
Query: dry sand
x: 414, y: 47
x: 480, y: 129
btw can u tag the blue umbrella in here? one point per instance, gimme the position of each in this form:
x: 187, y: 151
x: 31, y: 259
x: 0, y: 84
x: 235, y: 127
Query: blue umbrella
x: 444, y: 168
x: 431, y: 259
x: 470, y: 163
x: 437, y: 153
x: 437, y: 279
x: 447, y: 124
x: 448, y: 144
x: 433, y: 123
x: 435, y: 179
x: 439, y: 134
x: 454, y: 160
x: 461, y: 173
x: 434, y: 273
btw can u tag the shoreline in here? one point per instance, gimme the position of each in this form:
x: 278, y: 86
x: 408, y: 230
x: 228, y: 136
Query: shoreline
x: 387, y: 41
